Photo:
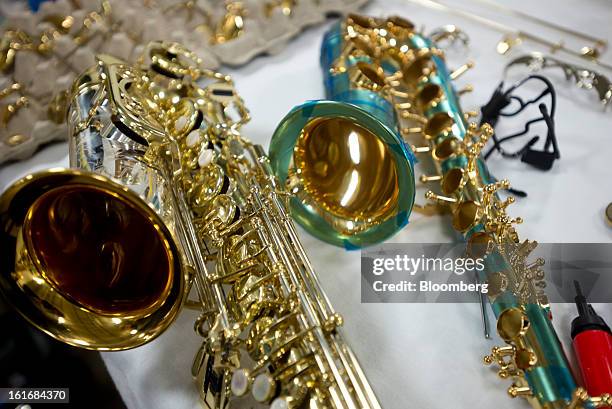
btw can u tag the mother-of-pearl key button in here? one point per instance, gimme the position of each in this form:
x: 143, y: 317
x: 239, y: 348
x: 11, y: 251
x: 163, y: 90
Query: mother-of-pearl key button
x: 240, y: 382
x: 263, y: 387
x: 280, y: 403
x: 181, y: 123
x: 193, y: 138
x: 206, y: 156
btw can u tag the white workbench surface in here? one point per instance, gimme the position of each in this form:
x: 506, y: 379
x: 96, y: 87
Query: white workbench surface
x: 415, y: 355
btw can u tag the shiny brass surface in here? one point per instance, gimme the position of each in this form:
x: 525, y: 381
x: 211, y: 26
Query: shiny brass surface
x: 512, y: 323
x: 15, y: 139
x: 466, y: 215
x: 286, y: 7
x: 416, y: 65
x: 231, y: 25
x: 337, y: 157
x: 438, y: 124
x: 513, y: 36
x: 363, y: 21
x: 479, y: 244
x: 400, y: 25
x: 453, y: 180
x: 369, y: 77
x: 498, y: 283
x: 446, y: 149
x: 598, y: 45
x: 77, y: 272
x: 429, y: 96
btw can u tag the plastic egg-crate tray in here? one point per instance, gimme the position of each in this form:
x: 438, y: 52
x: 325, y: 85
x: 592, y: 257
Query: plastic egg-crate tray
x: 230, y: 33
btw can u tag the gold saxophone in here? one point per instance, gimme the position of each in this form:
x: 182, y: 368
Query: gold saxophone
x: 166, y: 197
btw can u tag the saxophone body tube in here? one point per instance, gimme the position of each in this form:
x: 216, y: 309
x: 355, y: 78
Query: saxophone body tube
x: 339, y: 86
x: 533, y: 357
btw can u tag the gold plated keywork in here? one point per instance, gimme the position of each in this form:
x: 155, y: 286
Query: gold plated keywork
x: 167, y: 196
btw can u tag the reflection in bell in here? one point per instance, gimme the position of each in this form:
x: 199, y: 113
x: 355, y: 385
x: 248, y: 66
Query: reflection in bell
x: 93, y: 268
x: 347, y: 170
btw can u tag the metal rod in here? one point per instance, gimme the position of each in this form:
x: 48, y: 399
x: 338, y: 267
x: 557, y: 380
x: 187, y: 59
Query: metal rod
x: 518, y: 13
x: 554, y: 46
x: 483, y: 312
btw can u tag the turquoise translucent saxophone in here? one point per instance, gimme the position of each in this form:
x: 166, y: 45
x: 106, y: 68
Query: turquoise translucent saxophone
x: 343, y: 158
x: 400, y: 78
x: 166, y: 195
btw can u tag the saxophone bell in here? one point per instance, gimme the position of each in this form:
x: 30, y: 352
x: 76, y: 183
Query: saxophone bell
x: 344, y: 157
x: 73, y: 264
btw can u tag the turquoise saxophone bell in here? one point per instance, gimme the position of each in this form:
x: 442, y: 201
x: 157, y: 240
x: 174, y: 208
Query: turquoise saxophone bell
x: 343, y: 158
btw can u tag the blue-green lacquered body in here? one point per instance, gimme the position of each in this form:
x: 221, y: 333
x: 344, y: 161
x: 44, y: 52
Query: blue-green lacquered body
x: 369, y: 110
x: 550, y: 379
x: 338, y: 86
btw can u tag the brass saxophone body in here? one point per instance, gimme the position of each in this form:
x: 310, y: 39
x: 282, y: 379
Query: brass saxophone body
x: 168, y: 198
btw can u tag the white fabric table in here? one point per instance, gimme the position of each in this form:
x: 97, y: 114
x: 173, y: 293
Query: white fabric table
x: 415, y: 355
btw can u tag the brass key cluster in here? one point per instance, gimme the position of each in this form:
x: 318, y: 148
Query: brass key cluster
x: 157, y: 152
